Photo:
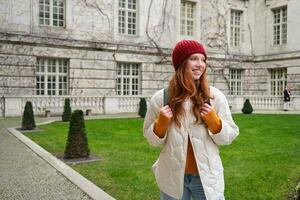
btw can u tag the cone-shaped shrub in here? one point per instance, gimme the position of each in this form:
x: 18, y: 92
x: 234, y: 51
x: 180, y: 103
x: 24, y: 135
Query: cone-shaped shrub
x: 66, y: 116
x: 142, y: 107
x: 247, y: 108
x: 77, y: 143
x: 297, y: 195
x: 28, y: 122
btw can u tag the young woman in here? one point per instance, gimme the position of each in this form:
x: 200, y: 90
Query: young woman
x: 196, y: 120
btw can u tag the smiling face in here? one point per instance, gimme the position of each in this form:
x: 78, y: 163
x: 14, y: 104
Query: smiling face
x: 196, y: 64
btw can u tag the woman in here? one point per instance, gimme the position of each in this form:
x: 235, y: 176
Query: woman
x: 189, y: 129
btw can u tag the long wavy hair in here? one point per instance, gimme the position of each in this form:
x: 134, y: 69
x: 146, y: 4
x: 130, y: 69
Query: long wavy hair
x: 183, y: 86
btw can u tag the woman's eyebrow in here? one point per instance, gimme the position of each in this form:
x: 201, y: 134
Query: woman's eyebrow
x: 198, y: 57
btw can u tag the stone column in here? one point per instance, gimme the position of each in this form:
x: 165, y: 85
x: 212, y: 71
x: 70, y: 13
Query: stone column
x: 13, y: 106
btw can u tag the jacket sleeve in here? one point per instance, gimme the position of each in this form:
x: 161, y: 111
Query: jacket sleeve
x: 151, y: 115
x: 229, y: 130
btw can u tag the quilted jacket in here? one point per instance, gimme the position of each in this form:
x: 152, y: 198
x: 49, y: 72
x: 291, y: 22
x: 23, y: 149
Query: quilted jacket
x: 169, y: 168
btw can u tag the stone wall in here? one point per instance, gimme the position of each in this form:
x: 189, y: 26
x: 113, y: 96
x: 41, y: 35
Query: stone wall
x: 93, y: 47
x: 91, y: 71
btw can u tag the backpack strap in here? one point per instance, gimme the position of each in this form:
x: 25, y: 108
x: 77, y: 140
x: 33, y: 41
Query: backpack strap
x: 166, y: 96
x: 208, y: 101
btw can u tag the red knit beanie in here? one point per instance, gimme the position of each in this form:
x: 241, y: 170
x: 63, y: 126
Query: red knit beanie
x: 184, y: 49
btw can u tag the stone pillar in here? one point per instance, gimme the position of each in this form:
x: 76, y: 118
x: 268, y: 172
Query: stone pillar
x: 238, y: 104
x: 111, y: 105
x: 296, y: 103
x: 13, y: 106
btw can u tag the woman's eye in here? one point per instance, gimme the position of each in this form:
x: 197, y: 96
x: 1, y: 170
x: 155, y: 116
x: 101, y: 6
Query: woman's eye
x: 196, y: 59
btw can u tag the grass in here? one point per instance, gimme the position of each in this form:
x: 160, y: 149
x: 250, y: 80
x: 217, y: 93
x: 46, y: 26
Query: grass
x: 262, y: 163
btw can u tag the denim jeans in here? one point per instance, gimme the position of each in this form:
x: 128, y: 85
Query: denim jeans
x: 192, y: 188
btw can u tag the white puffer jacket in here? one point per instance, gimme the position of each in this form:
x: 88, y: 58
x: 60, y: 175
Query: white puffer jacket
x: 169, y: 169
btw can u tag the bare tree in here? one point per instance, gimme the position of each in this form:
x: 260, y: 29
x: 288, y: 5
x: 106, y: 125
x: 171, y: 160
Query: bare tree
x: 216, y: 37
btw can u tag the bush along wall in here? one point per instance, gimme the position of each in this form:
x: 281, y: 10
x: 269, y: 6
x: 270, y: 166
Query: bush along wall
x: 66, y: 116
x: 28, y: 122
x: 77, y: 142
x: 142, y: 107
x: 297, y: 189
x: 247, y: 108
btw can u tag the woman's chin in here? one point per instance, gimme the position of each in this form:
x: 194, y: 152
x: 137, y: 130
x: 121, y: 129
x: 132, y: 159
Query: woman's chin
x: 196, y: 77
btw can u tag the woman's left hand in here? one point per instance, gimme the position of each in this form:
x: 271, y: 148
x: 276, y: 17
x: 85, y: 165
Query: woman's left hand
x: 206, y: 108
x: 210, y: 117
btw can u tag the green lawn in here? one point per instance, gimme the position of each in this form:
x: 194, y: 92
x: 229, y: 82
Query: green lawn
x: 262, y: 163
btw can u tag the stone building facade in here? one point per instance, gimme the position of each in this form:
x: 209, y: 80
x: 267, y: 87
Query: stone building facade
x: 122, y: 47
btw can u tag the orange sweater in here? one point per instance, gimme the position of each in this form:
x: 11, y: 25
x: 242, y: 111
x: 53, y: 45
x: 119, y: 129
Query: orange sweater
x: 190, y: 166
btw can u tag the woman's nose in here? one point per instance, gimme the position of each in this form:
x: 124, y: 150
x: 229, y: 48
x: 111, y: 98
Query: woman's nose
x: 199, y: 62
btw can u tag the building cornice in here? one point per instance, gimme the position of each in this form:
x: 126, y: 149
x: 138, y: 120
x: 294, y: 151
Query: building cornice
x: 277, y: 57
x: 36, y: 40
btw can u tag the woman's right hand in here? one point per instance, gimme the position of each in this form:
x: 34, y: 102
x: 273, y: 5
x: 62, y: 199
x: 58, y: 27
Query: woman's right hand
x: 166, y: 112
x: 163, y: 121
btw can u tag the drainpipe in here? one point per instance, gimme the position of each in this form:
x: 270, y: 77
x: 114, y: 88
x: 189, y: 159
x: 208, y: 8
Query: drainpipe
x: 3, y: 104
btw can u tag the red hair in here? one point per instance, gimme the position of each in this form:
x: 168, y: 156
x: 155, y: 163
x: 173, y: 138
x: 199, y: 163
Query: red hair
x: 183, y: 86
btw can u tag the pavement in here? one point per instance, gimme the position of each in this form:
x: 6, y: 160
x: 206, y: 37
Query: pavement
x: 27, y: 171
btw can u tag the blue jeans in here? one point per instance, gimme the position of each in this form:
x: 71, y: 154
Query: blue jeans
x: 192, y: 188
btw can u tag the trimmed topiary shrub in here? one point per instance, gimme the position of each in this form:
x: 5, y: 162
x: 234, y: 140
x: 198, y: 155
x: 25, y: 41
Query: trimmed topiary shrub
x: 142, y: 107
x: 66, y: 116
x: 28, y: 122
x: 77, y: 143
x: 297, y: 195
x: 247, y: 108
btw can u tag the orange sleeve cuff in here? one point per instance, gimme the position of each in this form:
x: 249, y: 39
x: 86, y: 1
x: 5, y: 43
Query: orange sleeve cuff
x: 161, y: 125
x: 214, y: 123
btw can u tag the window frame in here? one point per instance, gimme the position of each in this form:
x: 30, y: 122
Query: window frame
x: 130, y: 78
x: 126, y: 10
x: 277, y: 81
x: 236, y: 26
x: 279, y: 25
x: 51, y: 19
x: 235, y: 81
x: 184, y: 17
x: 52, y: 70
